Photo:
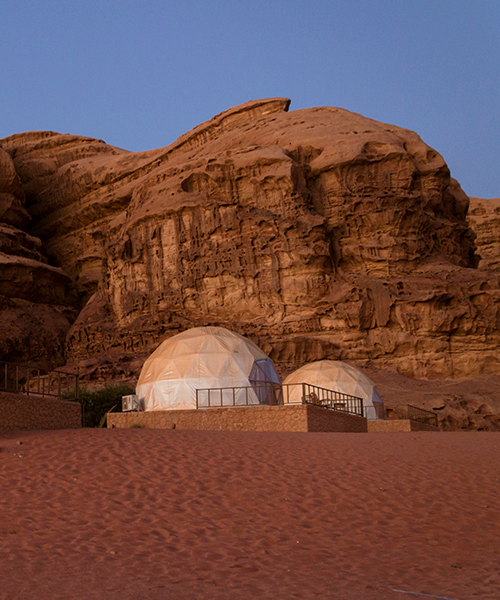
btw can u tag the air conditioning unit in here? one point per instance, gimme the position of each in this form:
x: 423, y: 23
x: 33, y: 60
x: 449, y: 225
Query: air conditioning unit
x: 131, y: 403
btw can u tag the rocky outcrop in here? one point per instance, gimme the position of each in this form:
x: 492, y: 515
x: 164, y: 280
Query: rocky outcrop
x: 464, y: 403
x: 484, y: 219
x: 318, y: 233
x: 34, y: 314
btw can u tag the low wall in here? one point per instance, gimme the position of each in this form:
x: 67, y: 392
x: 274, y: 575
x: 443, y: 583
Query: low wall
x: 300, y: 417
x: 399, y: 425
x: 324, y: 419
x: 19, y: 411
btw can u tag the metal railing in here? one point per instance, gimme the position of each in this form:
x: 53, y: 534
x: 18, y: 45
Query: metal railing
x: 422, y: 416
x: 25, y: 379
x: 273, y: 394
x: 252, y: 395
x: 414, y: 413
x: 305, y: 393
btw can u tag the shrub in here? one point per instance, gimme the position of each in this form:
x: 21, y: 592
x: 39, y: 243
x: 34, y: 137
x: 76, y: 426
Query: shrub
x: 96, y: 404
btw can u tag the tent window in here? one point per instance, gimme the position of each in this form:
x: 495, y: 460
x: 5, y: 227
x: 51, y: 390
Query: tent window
x: 259, y: 376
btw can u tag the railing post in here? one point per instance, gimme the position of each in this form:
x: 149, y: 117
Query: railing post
x: 303, y: 393
x: 28, y: 384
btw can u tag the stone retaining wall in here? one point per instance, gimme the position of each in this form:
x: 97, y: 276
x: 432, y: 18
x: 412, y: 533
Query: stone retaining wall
x: 300, y: 417
x: 324, y: 419
x: 19, y: 411
x: 399, y: 425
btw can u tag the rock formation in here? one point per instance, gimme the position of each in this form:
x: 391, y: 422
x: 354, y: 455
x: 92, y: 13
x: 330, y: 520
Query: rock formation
x: 34, y: 314
x: 318, y: 233
x: 465, y: 403
x: 484, y: 219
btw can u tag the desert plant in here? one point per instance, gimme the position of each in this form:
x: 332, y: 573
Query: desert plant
x: 97, y: 403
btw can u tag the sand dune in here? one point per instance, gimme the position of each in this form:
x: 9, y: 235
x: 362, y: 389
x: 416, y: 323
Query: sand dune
x: 152, y: 514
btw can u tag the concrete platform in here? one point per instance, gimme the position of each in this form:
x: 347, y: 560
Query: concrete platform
x: 390, y: 425
x: 296, y: 417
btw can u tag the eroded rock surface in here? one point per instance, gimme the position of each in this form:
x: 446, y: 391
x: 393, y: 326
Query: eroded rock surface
x: 484, y: 218
x: 464, y: 403
x: 34, y: 315
x: 318, y: 233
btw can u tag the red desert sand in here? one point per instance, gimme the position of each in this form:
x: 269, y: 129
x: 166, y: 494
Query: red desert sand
x: 154, y: 514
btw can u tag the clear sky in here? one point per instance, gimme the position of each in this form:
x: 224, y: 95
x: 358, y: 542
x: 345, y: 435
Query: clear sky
x: 138, y: 74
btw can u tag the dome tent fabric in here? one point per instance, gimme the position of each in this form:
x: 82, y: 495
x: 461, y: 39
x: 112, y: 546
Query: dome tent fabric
x: 204, y: 358
x: 340, y: 377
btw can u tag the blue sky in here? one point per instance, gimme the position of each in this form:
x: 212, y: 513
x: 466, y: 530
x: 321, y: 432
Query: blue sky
x: 139, y: 74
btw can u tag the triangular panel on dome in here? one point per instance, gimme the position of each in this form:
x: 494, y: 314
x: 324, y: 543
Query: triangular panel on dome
x: 262, y: 377
x: 206, y: 358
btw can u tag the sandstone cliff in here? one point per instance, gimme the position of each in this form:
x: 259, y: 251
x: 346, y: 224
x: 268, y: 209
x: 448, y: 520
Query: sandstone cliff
x: 34, y: 316
x: 484, y: 218
x: 318, y: 233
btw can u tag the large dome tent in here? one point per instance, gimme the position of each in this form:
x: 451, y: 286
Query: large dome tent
x: 340, y: 377
x: 206, y: 358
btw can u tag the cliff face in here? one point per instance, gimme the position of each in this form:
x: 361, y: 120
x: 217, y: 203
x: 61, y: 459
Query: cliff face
x: 318, y: 233
x: 34, y: 315
x: 484, y: 218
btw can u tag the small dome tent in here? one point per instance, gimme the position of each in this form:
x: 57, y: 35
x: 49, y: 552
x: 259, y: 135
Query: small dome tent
x: 205, y: 358
x: 340, y: 377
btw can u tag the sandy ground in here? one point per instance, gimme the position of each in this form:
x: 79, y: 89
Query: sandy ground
x: 151, y: 514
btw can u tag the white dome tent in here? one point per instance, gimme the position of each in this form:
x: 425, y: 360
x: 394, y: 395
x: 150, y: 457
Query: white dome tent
x: 340, y: 377
x: 207, y: 358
